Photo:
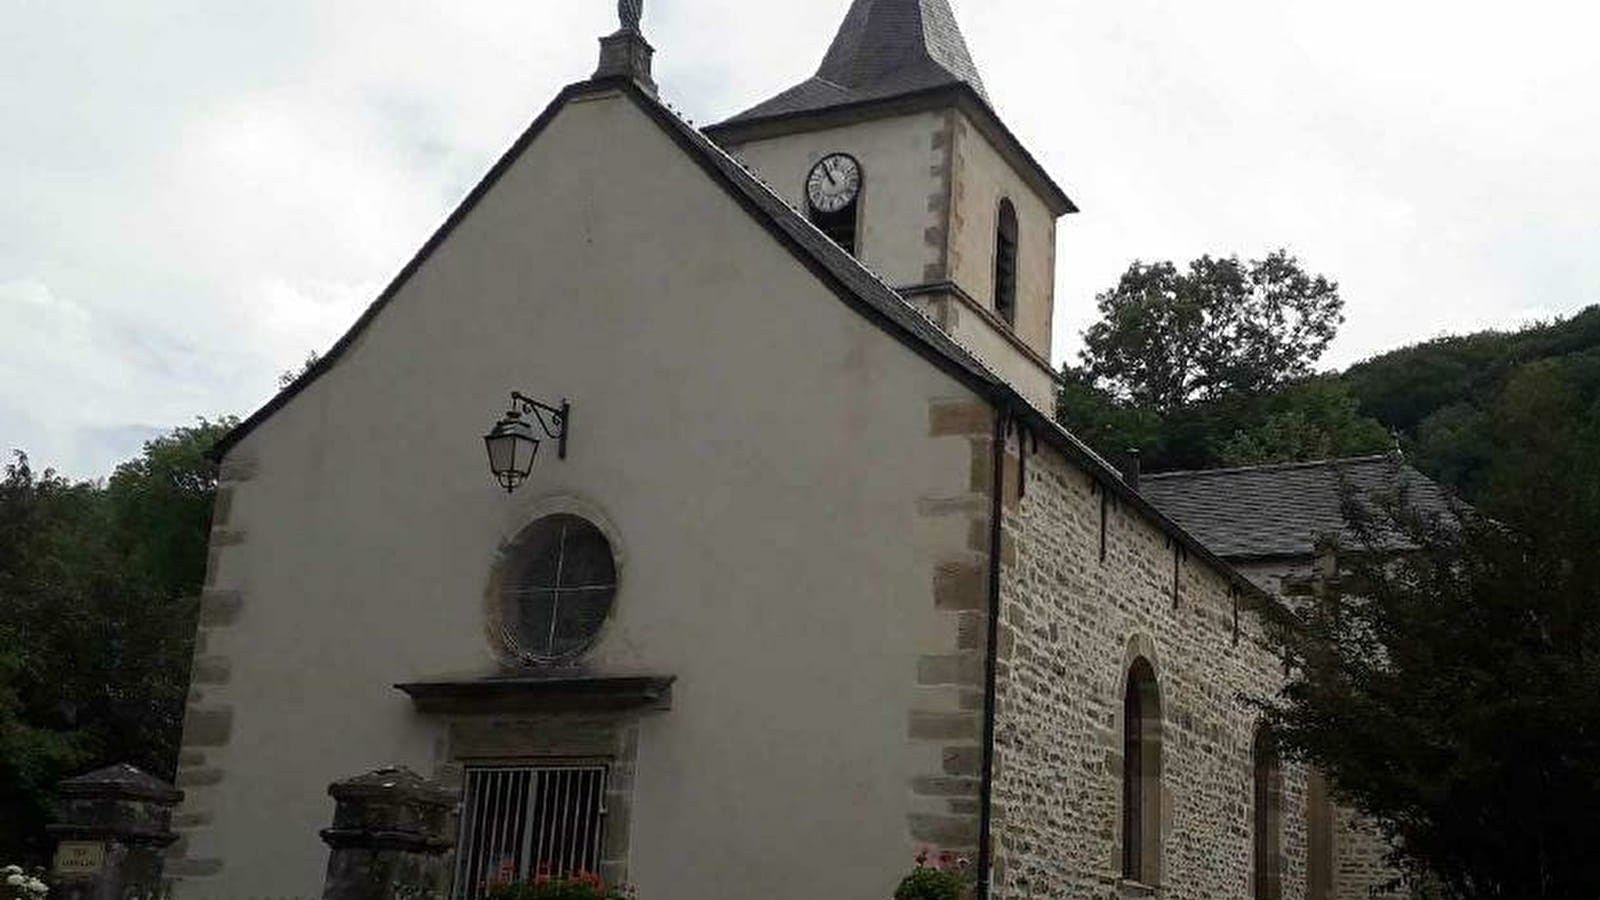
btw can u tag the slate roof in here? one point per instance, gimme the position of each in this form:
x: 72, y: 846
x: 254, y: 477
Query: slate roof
x: 1282, y: 510
x: 885, y: 48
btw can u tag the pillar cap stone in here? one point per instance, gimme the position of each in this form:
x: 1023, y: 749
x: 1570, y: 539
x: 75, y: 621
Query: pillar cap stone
x: 121, y: 782
x: 397, y: 783
x: 392, y: 808
x: 118, y: 803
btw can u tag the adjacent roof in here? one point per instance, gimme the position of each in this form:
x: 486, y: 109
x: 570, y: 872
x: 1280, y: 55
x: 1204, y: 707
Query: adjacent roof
x: 884, y: 48
x: 1283, y: 510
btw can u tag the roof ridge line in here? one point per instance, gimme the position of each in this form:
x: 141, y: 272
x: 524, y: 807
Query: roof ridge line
x: 1265, y: 467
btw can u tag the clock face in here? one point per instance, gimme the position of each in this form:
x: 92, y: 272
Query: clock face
x: 834, y: 183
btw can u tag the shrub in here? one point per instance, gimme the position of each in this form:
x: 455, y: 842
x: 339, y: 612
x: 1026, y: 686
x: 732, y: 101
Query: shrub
x: 950, y: 878
x: 16, y: 884
x: 545, y: 886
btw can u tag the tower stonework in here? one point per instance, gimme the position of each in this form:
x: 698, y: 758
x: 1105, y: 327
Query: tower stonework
x: 899, y: 92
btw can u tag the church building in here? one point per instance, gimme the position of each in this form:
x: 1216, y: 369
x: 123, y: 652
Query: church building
x: 778, y: 569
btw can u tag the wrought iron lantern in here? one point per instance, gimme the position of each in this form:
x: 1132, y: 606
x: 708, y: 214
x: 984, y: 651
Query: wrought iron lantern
x: 513, y: 443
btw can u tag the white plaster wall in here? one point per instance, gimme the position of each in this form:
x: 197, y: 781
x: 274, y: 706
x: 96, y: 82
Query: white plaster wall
x: 760, y: 449
x: 930, y: 214
x: 983, y: 338
x: 901, y: 163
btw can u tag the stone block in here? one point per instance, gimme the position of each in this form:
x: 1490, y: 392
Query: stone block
x: 196, y: 819
x: 963, y: 417
x: 193, y: 868
x: 961, y: 669
x: 963, y: 761
x: 972, y: 631
x: 222, y: 507
x: 208, y: 727
x: 222, y: 537
x: 212, y: 670
x: 944, y: 786
x: 944, y: 831
x: 235, y: 470
x: 980, y: 474
x: 220, y: 608
x: 199, y: 776
x: 944, y: 726
x: 961, y: 585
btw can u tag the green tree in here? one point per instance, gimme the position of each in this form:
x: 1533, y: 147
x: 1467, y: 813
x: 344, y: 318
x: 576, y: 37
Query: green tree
x: 46, y: 524
x: 1448, y: 690
x: 160, y: 504
x: 1168, y: 339
x: 1441, y: 394
x: 1212, y: 365
x: 1316, y: 418
x: 97, y: 601
x: 290, y: 376
x: 1110, y: 425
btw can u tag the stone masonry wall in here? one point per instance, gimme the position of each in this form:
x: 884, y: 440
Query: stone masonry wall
x: 1358, y: 871
x: 1071, y: 626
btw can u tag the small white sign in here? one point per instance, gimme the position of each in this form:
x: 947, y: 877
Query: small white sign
x: 80, y: 858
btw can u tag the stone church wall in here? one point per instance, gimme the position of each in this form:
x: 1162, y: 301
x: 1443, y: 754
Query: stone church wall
x: 1357, y: 866
x: 1072, y: 624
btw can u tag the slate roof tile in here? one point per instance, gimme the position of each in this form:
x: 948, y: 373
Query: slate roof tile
x: 885, y: 48
x: 1282, y: 510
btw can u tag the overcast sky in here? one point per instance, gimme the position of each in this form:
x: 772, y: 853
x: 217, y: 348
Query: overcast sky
x: 198, y: 193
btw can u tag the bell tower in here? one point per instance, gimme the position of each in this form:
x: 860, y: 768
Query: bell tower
x: 893, y: 150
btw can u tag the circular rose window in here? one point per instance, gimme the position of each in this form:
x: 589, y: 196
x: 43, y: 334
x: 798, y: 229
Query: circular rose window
x: 557, y: 588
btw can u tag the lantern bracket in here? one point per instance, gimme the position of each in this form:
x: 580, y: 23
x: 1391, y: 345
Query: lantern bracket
x: 553, y: 419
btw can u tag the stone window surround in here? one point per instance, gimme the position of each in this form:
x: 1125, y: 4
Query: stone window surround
x: 534, y: 738
x: 1266, y: 870
x: 1141, y: 648
x: 609, y: 739
x: 521, y: 516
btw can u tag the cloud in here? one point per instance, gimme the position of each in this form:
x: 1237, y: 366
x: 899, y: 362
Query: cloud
x: 200, y: 193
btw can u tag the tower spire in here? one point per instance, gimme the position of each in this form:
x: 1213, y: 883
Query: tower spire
x: 885, y: 48
x: 625, y: 53
x: 889, y: 44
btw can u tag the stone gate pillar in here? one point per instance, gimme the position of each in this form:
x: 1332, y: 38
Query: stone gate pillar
x: 114, y: 825
x: 391, y: 838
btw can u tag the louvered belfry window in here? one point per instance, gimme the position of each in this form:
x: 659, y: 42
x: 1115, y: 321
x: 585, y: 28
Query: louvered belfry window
x: 556, y: 590
x: 519, y: 822
x: 1005, y: 263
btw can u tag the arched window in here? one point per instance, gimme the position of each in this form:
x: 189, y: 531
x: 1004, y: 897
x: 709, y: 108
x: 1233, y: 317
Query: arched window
x: 1141, y: 776
x: 1005, y: 264
x: 1319, y: 838
x: 1268, y: 817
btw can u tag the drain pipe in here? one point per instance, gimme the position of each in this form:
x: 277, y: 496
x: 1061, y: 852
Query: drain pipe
x: 1002, y: 419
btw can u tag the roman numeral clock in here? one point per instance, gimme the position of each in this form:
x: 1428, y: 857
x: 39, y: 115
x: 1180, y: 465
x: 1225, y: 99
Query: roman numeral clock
x: 833, y: 198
